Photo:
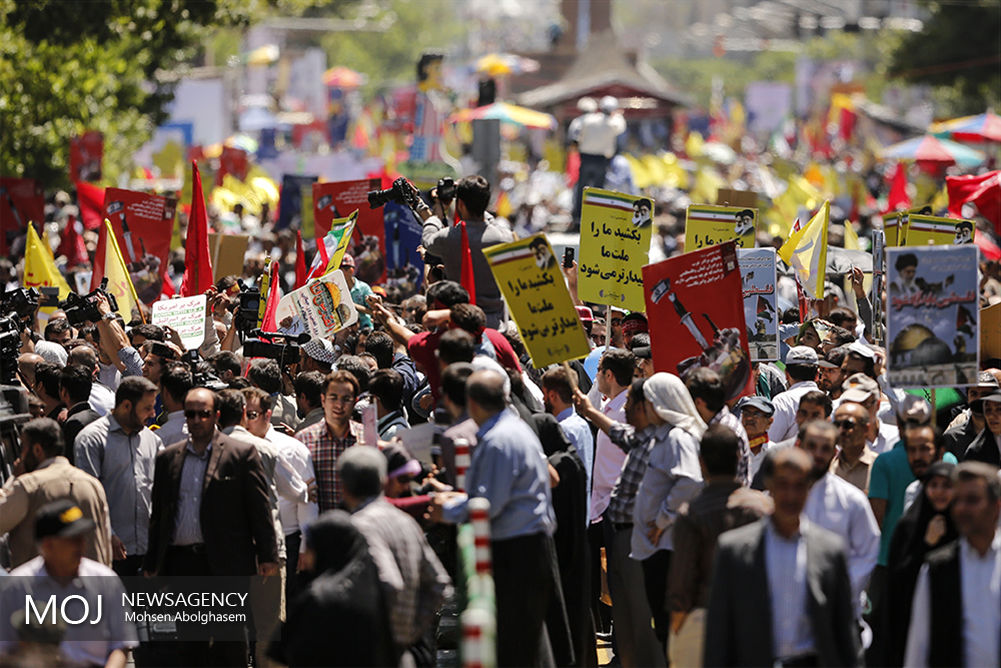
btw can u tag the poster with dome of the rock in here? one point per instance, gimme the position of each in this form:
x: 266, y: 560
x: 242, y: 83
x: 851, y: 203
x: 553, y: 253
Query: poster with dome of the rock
x: 932, y: 316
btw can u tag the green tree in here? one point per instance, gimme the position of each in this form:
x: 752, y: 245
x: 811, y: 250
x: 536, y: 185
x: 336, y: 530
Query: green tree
x: 958, y: 51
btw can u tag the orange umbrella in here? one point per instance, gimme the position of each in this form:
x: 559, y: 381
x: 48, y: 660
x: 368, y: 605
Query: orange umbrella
x: 343, y: 77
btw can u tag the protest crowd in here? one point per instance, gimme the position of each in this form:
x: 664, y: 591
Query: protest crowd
x: 704, y: 436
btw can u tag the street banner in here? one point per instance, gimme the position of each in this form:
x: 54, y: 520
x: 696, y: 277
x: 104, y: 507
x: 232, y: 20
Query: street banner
x: 713, y: 334
x: 932, y: 320
x: 532, y: 284
x: 143, y: 224
x: 758, y: 277
x: 614, y: 245
x: 938, y: 231
x: 290, y: 200
x: 186, y: 315
x: 707, y: 225
x: 86, y: 156
x: 321, y: 307
x: 368, y: 245
x: 21, y: 200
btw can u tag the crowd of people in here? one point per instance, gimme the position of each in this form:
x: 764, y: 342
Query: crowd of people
x: 828, y: 519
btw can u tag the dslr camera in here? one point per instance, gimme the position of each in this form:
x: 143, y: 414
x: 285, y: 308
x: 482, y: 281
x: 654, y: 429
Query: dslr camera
x: 445, y: 190
x: 400, y: 192
x: 248, y: 308
x: 80, y: 310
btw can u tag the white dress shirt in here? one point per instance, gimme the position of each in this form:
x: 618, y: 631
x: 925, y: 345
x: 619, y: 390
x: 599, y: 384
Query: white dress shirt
x: 608, y: 457
x: 785, y: 566
x: 295, y: 515
x: 786, y: 404
x: 841, y: 507
x: 980, y: 579
x: 102, y: 399
x: 886, y: 438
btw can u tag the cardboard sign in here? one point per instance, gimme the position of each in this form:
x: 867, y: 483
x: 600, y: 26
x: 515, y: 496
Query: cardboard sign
x: 990, y: 332
x: 713, y: 333
x: 745, y: 199
x: 532, y: 284
x: 86, y: 156
x: 186, y: 315
x: 932, y: 320
x: 143, y: 224
x: 937, y: 231
x: 336, y: 200
x: 614, y: 245
x: 758, y: 277
x: 227, y: 252
x: 321, y: 307
x: 710, y: 225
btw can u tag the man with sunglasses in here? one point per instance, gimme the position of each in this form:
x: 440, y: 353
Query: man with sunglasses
x: 854, y: 461
x: 863, y: 390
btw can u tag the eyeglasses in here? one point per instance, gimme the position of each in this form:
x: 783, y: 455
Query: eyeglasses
x: 192, y: 414
x: 845, y: 424
x: 253, y: 415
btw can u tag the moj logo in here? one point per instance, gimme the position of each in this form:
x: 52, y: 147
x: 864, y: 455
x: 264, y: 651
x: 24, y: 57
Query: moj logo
x: 72, y: 610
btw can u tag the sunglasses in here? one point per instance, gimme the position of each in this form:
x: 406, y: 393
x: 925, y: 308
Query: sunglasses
x: 192, y: 414
x: 253, y: 415
x: 845, y: 424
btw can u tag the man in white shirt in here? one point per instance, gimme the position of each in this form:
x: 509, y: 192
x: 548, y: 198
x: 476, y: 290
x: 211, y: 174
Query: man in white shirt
x: 175, y: 383
x: 861, y: 389
x: 956, y: 615
x: 801, y: 372
x: 596, y: 134
x: 840, y: 507
x: 615, y: 374
x: 756, y: 415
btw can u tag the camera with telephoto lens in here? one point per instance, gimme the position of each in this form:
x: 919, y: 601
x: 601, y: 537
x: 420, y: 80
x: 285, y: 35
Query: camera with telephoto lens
x: 202, y: 373
x: 22, y: 302
x: 80, y: 310
x: 400, y: 192
x: 282, y: 349
x: 445, y: 190
x: 248, y: 308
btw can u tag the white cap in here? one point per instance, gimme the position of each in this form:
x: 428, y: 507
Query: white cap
x: 608, y: 104
x: 587, y: 105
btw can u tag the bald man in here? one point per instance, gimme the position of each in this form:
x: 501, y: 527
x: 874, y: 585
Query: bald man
x: 510, y: 470
x: 26, y: 368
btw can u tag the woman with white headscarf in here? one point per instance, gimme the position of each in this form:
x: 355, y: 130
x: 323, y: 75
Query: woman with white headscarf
x: 673, y: 477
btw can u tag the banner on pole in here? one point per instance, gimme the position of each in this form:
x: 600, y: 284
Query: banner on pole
x: 532, y: 284
x: 614, y: 245
x: 932, y: 320
x: 321, y: 307
x: 758, y: 277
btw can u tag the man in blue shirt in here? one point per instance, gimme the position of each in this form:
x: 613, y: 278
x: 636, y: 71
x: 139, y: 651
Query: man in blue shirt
x: 557, y: 389
x: 509, y: 469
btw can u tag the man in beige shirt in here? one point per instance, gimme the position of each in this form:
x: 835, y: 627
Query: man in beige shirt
x: 45, y: 475
x: 854, y: 459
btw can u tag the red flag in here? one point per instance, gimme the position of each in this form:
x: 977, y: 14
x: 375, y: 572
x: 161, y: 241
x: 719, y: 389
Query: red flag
x: 167, y: 289
x: 270, y: 323
x: 197, y: 263
x: 983, y: 190
x: 90, y: 199
x: 71, y: 245
x: 300, y: 261
x: 898, y: 199
x: 468, y: 279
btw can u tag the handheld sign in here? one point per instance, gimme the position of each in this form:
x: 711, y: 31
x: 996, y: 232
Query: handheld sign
x: 932, y: 319
x: 527, y: 274
x: 186, y: 315
x: 937, y: 231
x: 697, y: 304
x: 707, y: 225
x: 758, y: 278
x: 321, y: 307
x: 614, y: 245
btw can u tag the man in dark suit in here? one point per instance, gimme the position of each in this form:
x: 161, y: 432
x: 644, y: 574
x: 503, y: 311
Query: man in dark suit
x: 986, y: 447
x: 74, y: 391
x: 210, y: 502
x: 800, y: 613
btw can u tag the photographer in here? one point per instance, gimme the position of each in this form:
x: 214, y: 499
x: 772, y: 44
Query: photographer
x: 472, y: 195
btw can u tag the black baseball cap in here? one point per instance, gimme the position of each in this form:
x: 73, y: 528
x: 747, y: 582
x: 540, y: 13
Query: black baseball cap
x: 62, y: 519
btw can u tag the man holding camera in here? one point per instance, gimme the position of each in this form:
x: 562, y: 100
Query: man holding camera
x: 476, y: 231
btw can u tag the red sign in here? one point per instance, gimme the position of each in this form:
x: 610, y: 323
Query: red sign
x: 697, y: 301
x: 21, y: 200
x: 143, y: 224
x: 368, y: 245
x: 86, y: 154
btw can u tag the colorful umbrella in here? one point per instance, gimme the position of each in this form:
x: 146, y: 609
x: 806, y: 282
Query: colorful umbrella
x: 930, y: 150
x: 343, y: 77
x: 507, y: 113
x: 980, y: 128
x: 495, y: 64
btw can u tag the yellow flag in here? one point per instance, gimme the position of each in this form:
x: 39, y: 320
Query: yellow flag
x: 806, y: 252
x: 117, y: 273
x: 39, y: 267
x: 851, y: 237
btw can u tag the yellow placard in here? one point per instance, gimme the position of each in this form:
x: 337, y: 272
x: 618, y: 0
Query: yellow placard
x: 527, y: 273
x: 707, y: 225
x: 890, y: 224
x: 938, y: 231
x: 615, y: 233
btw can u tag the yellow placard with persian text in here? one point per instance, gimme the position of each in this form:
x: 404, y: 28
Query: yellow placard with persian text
x: 707, y: 225
x: 527, y: 273
x: 937, y: 231
x: 615, y: 231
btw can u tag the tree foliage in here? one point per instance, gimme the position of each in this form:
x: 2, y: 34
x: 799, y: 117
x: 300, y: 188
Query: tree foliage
x: 958, y: 51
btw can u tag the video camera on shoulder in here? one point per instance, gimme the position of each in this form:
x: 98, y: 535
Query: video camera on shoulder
x: 401, y: 192
x: 285, y: 350
x: 22, y: 302
x: 80, y: 310
x: 202, y: 373
x: 248, y: 307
